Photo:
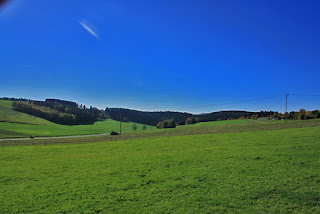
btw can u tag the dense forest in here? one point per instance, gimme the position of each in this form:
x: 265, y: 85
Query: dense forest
x: 223, y: 115
x: 153, y: 118
x: 149, y: 118
x: 60, y: 111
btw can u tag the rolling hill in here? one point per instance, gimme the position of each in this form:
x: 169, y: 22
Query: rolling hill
x: 16, y: 124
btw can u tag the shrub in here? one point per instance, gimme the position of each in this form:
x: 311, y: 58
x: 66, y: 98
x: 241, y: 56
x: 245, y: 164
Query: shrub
x: 181, y: 123
x: 190, y: 120
x: 159, y: 125
x: 134, y: 127
x: 172, y: 123
x: 167, y: 124
x: 303, y: 117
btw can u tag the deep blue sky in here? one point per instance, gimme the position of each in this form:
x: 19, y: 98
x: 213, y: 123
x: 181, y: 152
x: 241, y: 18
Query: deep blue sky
x: 163, y: 55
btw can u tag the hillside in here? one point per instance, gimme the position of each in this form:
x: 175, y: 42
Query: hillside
x: 71, y: 113
x: 16, y: 124
x: 227, y: 122
x: 61, y: 111
x: 152, y: 118
x: 7, y: 114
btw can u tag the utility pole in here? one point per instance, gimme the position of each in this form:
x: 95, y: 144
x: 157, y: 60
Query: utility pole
x: 286, y: 113
x: 120, y: 122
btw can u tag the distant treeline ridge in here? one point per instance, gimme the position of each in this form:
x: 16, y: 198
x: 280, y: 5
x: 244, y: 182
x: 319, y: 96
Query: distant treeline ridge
x: 70, y: 113
x: 60, y: 111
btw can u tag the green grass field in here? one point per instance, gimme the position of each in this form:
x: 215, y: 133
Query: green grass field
x: 15, y: 124
x: 234, y: 122
x: 236, y: 168
x: 7, y: 114
x: 226, y: 122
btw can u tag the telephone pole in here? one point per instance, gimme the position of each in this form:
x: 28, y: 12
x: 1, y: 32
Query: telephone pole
x: 286, y: 102
x: 120, y: 122
x: 286, y: 113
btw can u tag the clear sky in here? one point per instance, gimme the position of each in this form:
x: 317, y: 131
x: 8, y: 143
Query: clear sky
x: 163, y: 55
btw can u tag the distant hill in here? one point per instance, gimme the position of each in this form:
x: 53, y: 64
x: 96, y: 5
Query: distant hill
x: 58, y: 111
x: 149, y: 118
x: 7, y: 114
x: 14, y: 124
x: 224, y: 115
x: 70, y: 113
x: 152, y: 118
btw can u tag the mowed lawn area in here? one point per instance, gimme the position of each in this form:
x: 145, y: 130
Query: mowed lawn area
x: 258, y: 171
x: 15, y: 124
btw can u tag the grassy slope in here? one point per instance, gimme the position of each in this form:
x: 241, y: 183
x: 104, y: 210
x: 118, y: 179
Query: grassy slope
x: 172, y: 132
x: 99, y: 127
x: 228, y: 122
x: 23, y: 125
x: 7, y: 114
x: 251, y: 172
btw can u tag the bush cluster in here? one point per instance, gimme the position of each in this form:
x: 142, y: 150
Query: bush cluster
x: 171, y: 123
x: 192, y: 120
x: 302, y: 114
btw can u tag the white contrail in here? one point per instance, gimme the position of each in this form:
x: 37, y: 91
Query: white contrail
x: 89, y: 30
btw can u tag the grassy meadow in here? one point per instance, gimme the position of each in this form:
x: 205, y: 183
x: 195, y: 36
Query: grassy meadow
x: 226, y: 122
x: 238, y: 168
x: 7, y: 114
x: 15, y: 124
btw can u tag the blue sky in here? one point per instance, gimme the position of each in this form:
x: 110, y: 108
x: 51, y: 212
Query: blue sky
x: 163, y: 55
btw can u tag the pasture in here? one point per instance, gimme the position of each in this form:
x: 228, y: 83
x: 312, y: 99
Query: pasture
x: 224, y: 168
x: 228, y: 122
x: 16, y: 124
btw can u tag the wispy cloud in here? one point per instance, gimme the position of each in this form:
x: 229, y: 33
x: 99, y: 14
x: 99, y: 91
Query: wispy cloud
x: 89, y: 29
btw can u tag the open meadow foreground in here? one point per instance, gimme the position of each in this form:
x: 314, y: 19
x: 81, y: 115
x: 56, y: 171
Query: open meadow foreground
x: 235, y: 168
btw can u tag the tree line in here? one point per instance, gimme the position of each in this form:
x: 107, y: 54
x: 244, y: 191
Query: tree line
x: 60, y: 111
x: 45, y: 113
x: 70, y: 113
x: 182, y: 118
x: 153, y: 118
x: 144, y: 117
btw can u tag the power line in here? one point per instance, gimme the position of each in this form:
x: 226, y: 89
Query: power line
x: 306, y: 95
x: 244, y: 101
x: 251, y: 100
x: 287, y: 101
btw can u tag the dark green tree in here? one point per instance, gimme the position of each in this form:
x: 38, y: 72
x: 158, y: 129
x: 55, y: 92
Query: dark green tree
x: 134, y: 127
x: 144, y: 127
x: 164, y: 124
x: 172, y: 123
